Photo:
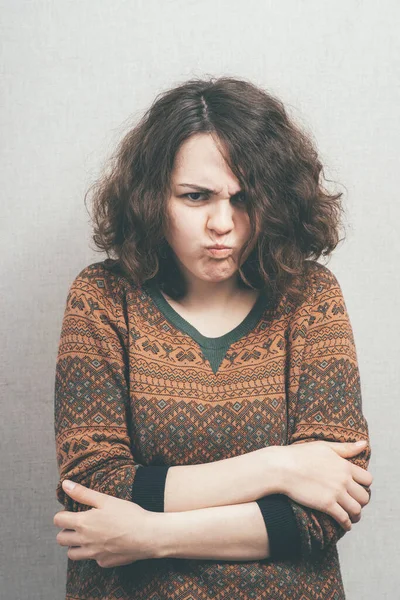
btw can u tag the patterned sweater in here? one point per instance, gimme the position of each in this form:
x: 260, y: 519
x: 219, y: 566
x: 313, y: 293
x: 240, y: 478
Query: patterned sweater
x: 138, y: 389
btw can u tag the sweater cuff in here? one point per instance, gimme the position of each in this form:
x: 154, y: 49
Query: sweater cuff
x: 283, y: 534
x: 148, y: 487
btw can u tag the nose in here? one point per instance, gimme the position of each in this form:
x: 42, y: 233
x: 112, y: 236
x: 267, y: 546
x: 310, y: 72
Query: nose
x: 220, y: 217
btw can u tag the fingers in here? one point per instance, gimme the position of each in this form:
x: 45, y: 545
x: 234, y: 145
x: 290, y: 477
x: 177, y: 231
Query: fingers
x: 350, y: 506
x: 341, y: 516
x: 357, y: 492
x: 361, y: 475
x: 346, y: 449
x: 67, y: 519
x: 355, y: 518
x: 347, y: 510
x: 67, y: 537
x: 70, y: 538
x: 78, y: 553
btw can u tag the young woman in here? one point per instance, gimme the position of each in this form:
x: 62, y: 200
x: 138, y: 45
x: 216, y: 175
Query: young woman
x: 199, y: 357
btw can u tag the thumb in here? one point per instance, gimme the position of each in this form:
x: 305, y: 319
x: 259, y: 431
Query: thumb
x: 346, y: 449
x: 82, y: 494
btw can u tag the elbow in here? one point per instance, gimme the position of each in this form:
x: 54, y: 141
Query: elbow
x: 318, y: 531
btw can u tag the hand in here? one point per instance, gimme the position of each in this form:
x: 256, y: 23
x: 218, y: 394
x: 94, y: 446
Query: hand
x: 115, y: 532
x: 317, y: 475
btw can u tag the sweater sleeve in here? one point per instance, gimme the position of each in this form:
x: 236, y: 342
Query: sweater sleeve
x: 92, y: 408
x: 327, y: 403
x: 281, y: 525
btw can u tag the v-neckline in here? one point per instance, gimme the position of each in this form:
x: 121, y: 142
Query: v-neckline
x: 211, y: 343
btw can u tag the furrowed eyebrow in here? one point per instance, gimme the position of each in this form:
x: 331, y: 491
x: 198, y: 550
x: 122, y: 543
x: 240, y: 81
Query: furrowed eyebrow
x: 200, y: 188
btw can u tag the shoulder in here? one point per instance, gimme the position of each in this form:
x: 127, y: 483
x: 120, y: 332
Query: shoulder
x: 103, y: 281
x: 326, y: 304
x: 320, y: 287
x: 319, y: 281
x: 106, y: 270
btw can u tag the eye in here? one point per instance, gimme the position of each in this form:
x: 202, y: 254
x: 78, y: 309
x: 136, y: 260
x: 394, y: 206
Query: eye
x: 239, y: 198
x: 194, y: 193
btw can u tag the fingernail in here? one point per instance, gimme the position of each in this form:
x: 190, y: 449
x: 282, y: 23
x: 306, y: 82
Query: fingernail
x: 69, y: 485
x: 361, y: 443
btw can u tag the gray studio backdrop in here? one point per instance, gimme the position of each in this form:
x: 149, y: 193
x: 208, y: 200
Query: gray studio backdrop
x: 75, y: 76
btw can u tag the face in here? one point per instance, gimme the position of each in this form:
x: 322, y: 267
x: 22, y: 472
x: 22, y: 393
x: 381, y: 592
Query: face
x: 200, y: 219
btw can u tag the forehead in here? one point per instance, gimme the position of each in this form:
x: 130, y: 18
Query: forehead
x: 200, y: 159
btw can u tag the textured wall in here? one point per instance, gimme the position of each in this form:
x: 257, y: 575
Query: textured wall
x: 75, y: 75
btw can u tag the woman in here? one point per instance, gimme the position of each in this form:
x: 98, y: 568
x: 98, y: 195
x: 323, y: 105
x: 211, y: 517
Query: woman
x: 195, y: 364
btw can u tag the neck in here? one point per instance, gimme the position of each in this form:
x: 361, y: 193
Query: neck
x: 215, y: 296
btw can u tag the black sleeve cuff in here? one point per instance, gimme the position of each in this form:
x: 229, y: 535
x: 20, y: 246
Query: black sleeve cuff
x: 148, y: 487
x: 282, y: 529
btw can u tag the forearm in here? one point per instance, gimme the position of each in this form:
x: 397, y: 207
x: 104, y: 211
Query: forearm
x: 235, y: 532
x: 236, y: 480
x: 232, y: 509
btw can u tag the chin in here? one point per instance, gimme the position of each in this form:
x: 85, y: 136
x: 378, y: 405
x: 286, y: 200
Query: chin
x: 216, y: 277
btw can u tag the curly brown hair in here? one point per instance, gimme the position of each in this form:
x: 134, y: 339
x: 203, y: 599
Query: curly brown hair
x: 275, y: 162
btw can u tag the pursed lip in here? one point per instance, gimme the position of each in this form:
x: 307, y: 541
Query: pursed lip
x: 219, y: 247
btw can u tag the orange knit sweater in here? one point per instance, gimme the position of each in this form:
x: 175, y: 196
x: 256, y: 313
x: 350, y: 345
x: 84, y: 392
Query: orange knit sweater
x: 138, y: 389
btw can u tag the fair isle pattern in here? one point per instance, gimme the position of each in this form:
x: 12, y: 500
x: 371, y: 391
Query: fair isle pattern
x: 325, y: 399
x: 132, y: 389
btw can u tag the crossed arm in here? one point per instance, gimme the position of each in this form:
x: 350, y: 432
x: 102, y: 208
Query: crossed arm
x: 210, y: 510
x: 234, y: 532
x: 324, y: 404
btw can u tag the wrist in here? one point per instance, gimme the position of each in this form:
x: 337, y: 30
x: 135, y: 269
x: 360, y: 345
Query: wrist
x: 163, y: 534
x: 274, y: 470
x: 285, y: 466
